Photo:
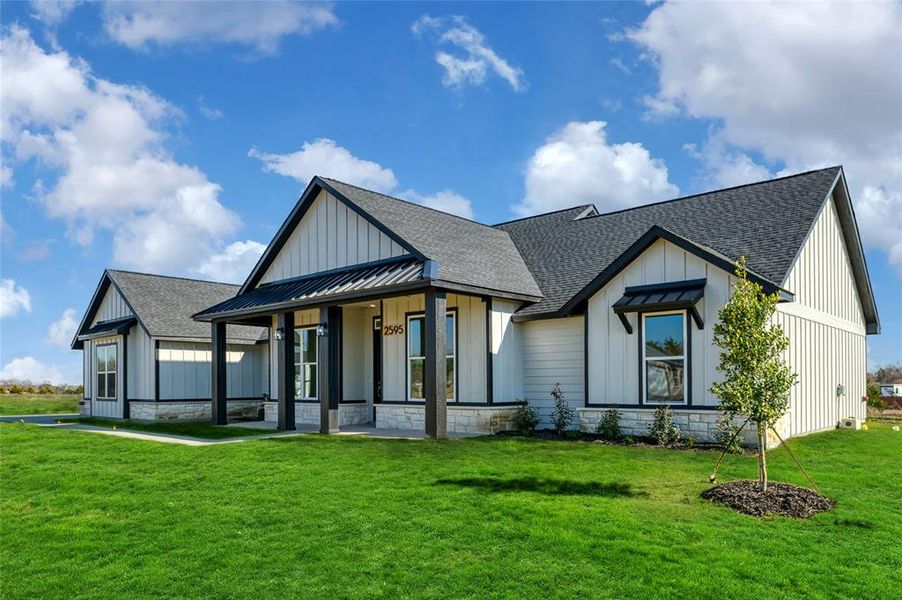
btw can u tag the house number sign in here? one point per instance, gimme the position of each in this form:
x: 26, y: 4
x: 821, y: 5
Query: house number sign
x: 393, y: 330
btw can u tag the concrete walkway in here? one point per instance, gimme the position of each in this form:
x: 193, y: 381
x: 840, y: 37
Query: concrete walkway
x: 267, y: 431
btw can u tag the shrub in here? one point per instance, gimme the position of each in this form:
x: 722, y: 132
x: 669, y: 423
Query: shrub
x: 45, y: 388
x: 725, y: 431
x: 562, y: 415
x: 875, y: 401
x: 526, y: 419
x: 609, y: 425
x: 662, y: 429
x: 629, y: 440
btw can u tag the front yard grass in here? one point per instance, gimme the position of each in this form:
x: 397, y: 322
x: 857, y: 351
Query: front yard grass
x: 38, y: 404
x: 93, y: 516
x: 201, y: 429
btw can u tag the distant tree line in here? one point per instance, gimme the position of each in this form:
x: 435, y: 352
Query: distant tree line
x: 24, y: 386
x: 887, y: 374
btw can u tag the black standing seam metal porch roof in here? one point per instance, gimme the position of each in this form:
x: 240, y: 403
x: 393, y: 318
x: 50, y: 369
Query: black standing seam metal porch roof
x: 676, y: 295
x: 111, y: 327
x: 386, y: 275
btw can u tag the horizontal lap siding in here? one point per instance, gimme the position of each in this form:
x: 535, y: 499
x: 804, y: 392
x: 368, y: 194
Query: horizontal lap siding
x: 185, y: 370
x: 329, y: 236
x: 552, y: 353
x: 826, y: 328
x: 614, y: 355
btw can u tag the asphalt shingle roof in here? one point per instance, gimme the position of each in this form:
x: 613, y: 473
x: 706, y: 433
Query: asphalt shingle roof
x: 766, y: 222
x: 467, y: 252
x: 165, y: 305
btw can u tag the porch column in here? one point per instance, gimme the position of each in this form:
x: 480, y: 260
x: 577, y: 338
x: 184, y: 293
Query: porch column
x: 329, y: 368
x: 285, y: 370
x: 220, y: 410
x: 434, y: 374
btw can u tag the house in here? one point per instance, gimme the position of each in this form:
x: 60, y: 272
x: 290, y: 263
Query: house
x: 145, y: 357
x: 891, y: 389
x: 382, y: 311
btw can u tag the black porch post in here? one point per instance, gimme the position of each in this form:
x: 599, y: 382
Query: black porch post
x: 329, y: 368
x: 434, y: 373
x: 219, y: 408
x: 285, y: 370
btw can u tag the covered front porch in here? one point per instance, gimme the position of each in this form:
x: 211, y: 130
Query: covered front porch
x: 412, y: 361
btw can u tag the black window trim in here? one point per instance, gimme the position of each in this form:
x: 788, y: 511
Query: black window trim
x: 687, y: 326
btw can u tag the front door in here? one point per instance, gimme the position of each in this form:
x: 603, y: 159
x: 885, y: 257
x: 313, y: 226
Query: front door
x: 377, y: 363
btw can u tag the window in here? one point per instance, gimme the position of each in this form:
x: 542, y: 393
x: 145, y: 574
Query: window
x: 106, y: 371
x: 416, y: 357
x: 305, y: 347
x: 664, y: 357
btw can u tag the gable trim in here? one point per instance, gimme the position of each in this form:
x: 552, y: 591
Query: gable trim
x: 656, y: 232
x: 106, y: 281
x: 303, y: 204
x: 845, y: 212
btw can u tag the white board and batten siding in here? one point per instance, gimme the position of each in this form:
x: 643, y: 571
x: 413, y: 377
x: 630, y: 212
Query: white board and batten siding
x: 826, y: 328
x: 471, y: 347
x: 507, y: 353
x: 329, y: 236
x: 104, y: 407
x: 185, y: 370
x: 113, y: 306
x: 553, y: 353
x: 614, y: 355
x: 141, y: 371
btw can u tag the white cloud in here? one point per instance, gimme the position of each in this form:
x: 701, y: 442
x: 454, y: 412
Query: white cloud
x: 13, y: 298
x: 52, y: 12
x: 577, y: 165
x: 30, y: 369
x: 105, y: 143
x: 474, y: 60
x: 36, y: 250
x: 6, y: 177
x: 209, y: 112
x: 445, y: 201
x: 234, y: 263
x: 326, y: 158
x: 723, y: 166
x: 61, y: 332
x: 806, y: 85
x: 258, y: 25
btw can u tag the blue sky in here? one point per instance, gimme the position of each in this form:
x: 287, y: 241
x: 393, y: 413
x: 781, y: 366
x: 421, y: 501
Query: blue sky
x: 169, y: 138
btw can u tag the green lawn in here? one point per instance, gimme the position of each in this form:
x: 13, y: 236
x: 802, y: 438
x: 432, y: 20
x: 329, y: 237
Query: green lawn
x: 93, y: 516
x: 38, y: 404
x: 198, y: 430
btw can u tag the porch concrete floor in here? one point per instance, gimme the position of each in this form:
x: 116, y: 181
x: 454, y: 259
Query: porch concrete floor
x: 368, y: 430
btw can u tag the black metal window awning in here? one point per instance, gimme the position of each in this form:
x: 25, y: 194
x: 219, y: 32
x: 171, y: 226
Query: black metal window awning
x: 111, y: 327
x: 676, y: 295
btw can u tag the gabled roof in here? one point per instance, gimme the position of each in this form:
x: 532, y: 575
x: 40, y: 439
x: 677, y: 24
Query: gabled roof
x: 467, y: 253
x: 767, y: 222
x: 163, y: 306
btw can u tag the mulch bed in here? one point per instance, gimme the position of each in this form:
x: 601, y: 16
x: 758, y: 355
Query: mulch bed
x: 780, y: 499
